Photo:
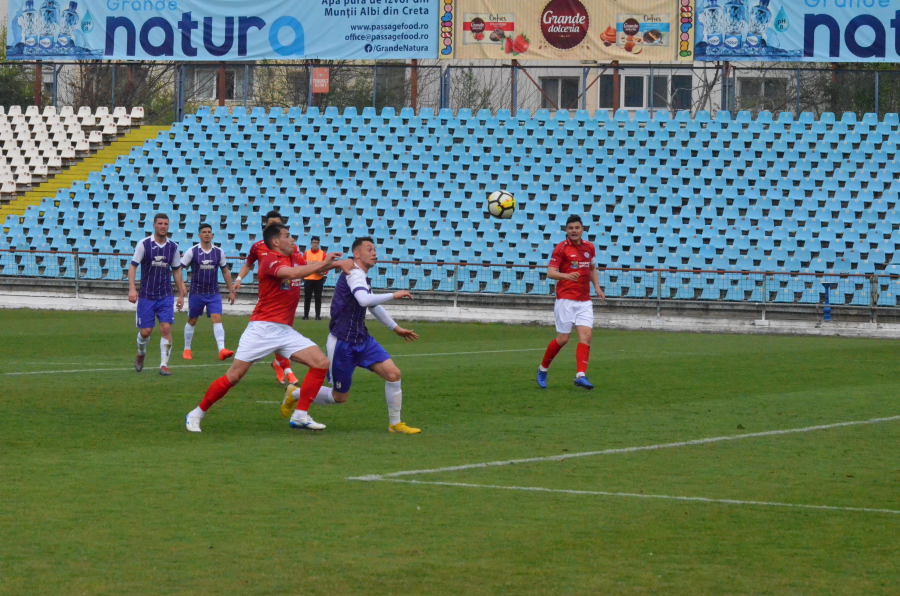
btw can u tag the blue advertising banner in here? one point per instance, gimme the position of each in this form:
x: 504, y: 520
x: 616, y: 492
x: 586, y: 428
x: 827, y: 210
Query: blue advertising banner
x: 798, y: 30
x: 217, y: 30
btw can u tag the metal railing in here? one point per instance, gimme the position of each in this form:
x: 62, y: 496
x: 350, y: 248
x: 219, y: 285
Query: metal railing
x: 659, y: 287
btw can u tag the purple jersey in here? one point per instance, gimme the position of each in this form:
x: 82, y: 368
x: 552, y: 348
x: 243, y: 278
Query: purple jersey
x: 348, y: 317
x: 157, y: 262
x: 204, y: 268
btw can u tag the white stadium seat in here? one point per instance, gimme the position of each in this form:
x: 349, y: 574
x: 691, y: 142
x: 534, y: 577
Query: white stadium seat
x: 137, y: 113
x: 102, y: 111
x: 32, y: 111
x: 15, y: 110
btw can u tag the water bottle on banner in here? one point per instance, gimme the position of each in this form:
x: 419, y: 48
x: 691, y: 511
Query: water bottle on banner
x: 760, y: 16
x: 735, y: 22
x: 67, y: 27
x: 29, y: 27
x: 49, y: 23
x: 713, y: 24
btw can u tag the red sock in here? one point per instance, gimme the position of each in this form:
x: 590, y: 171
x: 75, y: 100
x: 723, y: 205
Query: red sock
x: 216, y: 391
x: 582, y: 355
x: 552, y: 350
x: 312, y: 382
x: 282, y: 361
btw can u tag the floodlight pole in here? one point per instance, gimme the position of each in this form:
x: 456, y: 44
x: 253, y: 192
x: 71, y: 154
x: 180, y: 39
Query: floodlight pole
x: 513, y: 79
x: 221, y: 83
x: 38, y: 79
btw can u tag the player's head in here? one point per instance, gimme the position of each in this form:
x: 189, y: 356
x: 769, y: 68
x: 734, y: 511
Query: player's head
x: 161, y: 224
x: 363, y: 250
x: 314, y: 243
x: 278, y: 238
x: 574, y: 228
x: 205, y: 232
x: 272, y: 217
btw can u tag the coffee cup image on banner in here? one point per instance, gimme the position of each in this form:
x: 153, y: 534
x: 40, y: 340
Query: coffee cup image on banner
x: 47, y: 28
x: 636, y: 31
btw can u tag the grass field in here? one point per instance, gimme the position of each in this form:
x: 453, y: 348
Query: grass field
x: 103, y: 492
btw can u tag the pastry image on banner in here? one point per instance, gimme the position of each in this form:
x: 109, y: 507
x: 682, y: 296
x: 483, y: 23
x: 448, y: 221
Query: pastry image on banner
x: 566, y: 30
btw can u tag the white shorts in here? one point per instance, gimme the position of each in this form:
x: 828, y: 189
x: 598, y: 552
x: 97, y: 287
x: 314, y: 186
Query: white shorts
x: 573, y: 312
x: 262, y: 338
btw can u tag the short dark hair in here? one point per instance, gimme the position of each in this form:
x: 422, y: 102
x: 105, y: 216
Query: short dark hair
x: 359, y: 241
x: 159, y: 216
x: 203, y: 226
x: 270, y: 215
x: 272, y: 232
x: 573, y: 218
x: 314, y: 239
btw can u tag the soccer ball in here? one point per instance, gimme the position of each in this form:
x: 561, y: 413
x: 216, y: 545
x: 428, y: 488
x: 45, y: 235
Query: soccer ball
x: 501, y: 204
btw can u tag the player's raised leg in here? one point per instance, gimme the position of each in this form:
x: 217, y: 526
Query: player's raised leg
x: 393, y: 395
x: 283, y: 372
x: 219, y: 333
x: 166, y: 315
x: 312, y: 357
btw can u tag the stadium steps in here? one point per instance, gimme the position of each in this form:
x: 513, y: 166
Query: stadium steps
x: 80, y: 171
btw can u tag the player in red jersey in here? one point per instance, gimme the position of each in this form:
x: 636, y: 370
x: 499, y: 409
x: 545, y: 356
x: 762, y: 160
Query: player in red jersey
x: 281, y: 273
x: 572, y: 266
x: 282, y: 366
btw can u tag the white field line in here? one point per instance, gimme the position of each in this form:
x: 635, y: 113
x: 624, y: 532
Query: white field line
x: 81, y: 370
x: 642, y: 496
x: 509, y: 462
x: 48, y: 372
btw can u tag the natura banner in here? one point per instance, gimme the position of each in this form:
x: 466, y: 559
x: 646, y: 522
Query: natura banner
x: 603, y: 30
x: 218, y: 30
x: 798, y: 30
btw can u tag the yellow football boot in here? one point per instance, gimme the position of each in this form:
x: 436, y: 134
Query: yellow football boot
x: 402, y: 429
x: 289, y: 404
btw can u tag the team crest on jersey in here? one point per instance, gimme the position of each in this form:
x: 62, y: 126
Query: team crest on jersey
x: 587, y: 255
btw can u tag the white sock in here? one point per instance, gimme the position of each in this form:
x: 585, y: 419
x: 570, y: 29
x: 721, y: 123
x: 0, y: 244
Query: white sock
x: 323, y: 398
x: 578, y: 375
x: 197, y: 413
x: 542, y: 369
x: 394, y: 398
x: 299, y: 415
x: 219, y: 332
x: 142, y: 344
x: 288, y: 371
x: 188, y: 335
x: 165, y: 348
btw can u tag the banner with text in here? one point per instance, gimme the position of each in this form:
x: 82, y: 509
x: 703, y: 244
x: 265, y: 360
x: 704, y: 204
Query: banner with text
x: 798, y: 31
x: 603, y: 30
x: 217, y: 30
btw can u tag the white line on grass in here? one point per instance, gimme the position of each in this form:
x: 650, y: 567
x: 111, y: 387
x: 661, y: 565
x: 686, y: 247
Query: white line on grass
x: 80, y: 370
x: 642, y: 496
x: 47, y: 372
x: 490, y: 464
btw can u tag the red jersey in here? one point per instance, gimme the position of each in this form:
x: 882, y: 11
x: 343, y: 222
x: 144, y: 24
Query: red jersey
x: 278, y: 297
x: 569, y: 258
x: 259, y: 250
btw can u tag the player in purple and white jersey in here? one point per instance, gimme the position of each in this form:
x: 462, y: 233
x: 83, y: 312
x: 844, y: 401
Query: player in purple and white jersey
x: 159, y: 260
x: 350, y: 345
x: 205, y: 261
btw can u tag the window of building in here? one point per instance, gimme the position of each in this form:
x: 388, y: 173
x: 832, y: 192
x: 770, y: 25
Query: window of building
x: 682, y: 92
x: 562, y: 91
x: 758, y: 93
x: 206, y: 83
x: 607, y: 92
x: 634, y: 92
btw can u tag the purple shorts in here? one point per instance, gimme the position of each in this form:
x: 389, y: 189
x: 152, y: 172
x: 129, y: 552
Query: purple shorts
x: 212, y: 303
x: 148, y: 310
x: 345, y: 358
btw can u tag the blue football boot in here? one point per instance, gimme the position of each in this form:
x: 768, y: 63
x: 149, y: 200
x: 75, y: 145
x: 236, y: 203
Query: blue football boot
x: 583, y: 382
x: 542, y: 379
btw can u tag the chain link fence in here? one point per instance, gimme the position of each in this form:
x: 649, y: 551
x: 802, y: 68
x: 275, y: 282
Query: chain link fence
x: 660, y: 287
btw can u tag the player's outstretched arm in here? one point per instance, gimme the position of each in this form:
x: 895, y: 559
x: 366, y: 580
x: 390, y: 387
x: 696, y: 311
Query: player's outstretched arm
x: 553, y: 273
x: 132, y: 290
x: 595, y: 279
x: 309, y: 269
x: 385, y: 319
